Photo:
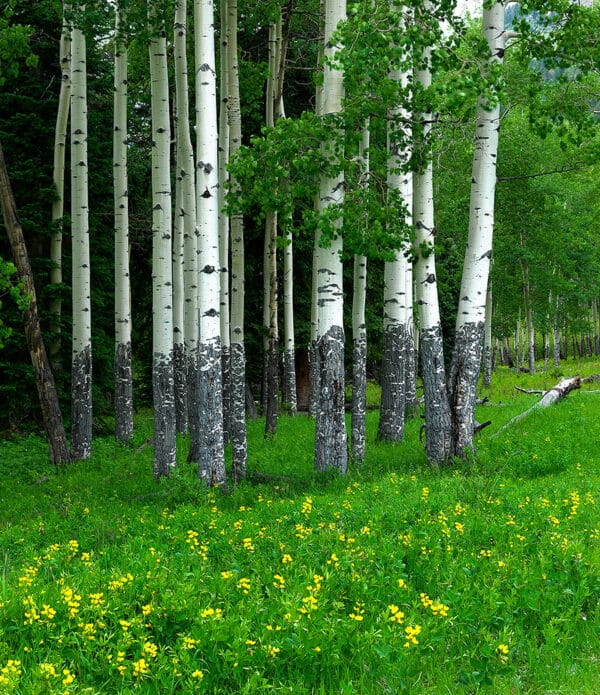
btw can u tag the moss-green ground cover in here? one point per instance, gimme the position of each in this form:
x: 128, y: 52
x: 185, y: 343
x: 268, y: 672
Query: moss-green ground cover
x: 481, y: 577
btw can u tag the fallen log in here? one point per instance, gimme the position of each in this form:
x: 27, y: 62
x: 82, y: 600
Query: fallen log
x: 553, y: 395
x: 536, y: 391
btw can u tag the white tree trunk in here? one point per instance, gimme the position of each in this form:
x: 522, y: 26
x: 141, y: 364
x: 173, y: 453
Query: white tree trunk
x: 178, y: 261
x: 224, y: 223
x: 238, y: 353
x: 331, y: 438
x: 470, y: 321
x: 122, y: 368
x: 359, y: 327
x: 487, y: 338
x: 185, y: 273
x: 211, y: 462
x: 395, y: 307
x: 162, y: 296
x: 58, y: 177
x: 81, y: 368
x: 438, y: 422
x: 289, y: 355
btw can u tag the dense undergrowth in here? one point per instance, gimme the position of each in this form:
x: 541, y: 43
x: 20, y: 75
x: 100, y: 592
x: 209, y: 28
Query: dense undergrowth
x: 479, y: 577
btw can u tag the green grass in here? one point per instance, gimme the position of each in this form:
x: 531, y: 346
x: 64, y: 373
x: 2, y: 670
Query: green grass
x: 480, y: 577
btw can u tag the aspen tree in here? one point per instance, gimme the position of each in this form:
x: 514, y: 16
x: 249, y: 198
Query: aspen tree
x: 395, y: 312
x: 224, y: 223
x: 431, y: 348
x: 238, y: 352
x: 122, y: 368
x: 470, y: 320
x: 162, y: 296
x: 58, y: 176
x: 331, y: 438
x: 359, y: 326
x: 186, y: 216
x: 211, y: 461
x: 81, y: 366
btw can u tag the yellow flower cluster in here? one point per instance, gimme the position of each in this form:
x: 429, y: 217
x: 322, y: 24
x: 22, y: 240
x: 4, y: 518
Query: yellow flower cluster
x: 214, y: 613
x: 279, y: 582
x: 396, y: 615
x: 244, y: 584
x: 72, y: 600
x: 436, y: 607
x: 358, y: 611
x: 410, y: 634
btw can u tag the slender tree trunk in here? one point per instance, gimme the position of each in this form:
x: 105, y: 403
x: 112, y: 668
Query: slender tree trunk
x: 211, y: 462
x: 58, y: 176
x: 395, y: 312
x: 224, y: 223
x: 44, y: 381
x: 162, y: 296
x: 466, y: 357
x: 410, y: 367
x: 528, y: 317
x: 270, y: 295
x: 313, y: 349
x: 359, y: 327
x: 331, y: 439
x: 238, y: 353
x: 186, y: 375
x: 81, y: 366
x: 179, y: 363
x: 487, y: 340
x: 122, y: 369
x: 289, y: 354
x: 595, y: 326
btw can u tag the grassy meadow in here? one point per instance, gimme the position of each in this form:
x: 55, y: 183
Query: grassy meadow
x: 397, y: 578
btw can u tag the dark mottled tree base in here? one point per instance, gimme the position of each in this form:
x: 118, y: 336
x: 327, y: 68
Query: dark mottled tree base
x: 410, y: 376
x: 123, y: 393
x: 211, y: 462
x: 314, y: 372
x: 164, y: 417
x: 238, y: 411
x: 81, y: 405
x: 290, y: 397
x: 331, y: 440
x: 393, y: 386
x: 464, y: 373
x: 180, y: 388
x: 438, y: 422
x: 359, y: 399
x: 272, y: 393
x: 226, y: 389
x: 193, y: 405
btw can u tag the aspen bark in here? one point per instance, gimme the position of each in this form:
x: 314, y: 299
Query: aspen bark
x: 162, y: 297
x: 359, y: 327
x: 122, y: 367
x: 438, y: 423
x: 211, y: 461
x: 224, y: 224
x: 238, y: 352
x: 466, y: 357
x: 395, y: 312
x: 58, y: 177
x: 331, y: 438
x: 81, y: 365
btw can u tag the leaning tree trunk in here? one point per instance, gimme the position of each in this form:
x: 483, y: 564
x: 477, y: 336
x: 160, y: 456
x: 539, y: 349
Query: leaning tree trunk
x: 359, y: 327
x: 211, y: 462
x: 470, y: 321
x: 395, y: 328
x: 44, y: 381
x: 162, y: 296
x: 438, y: 423
x: 331, y: 438
x: 81, y: 365
x: 58, y: 176
x: 238, y: 352
x: 122, y: 367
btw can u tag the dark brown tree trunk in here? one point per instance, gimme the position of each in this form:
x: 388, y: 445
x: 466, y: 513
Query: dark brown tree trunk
x: 53, y: 422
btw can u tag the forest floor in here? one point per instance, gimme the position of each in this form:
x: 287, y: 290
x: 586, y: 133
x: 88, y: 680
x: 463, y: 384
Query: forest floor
x: 483, y: 576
